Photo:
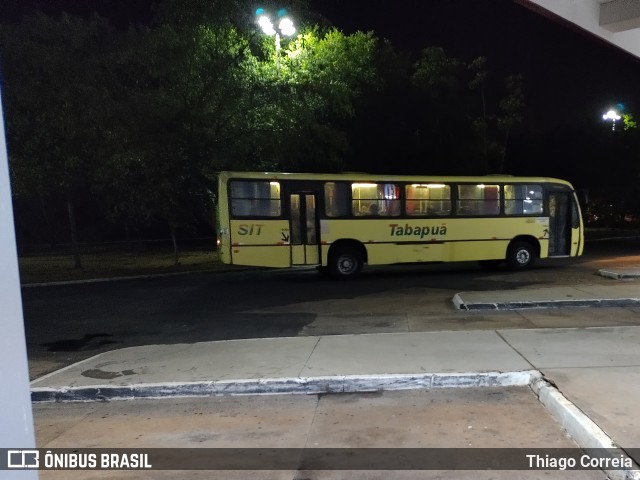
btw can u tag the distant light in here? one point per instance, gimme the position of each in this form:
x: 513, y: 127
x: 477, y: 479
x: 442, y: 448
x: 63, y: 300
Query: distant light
x: 611, y: 115
x: 266, y: 25
x: 259, y: 12
x: 286, y: 27
x: 282, y: 12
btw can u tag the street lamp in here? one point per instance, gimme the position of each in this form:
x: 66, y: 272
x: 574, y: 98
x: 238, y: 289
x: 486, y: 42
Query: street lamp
x: 285, y: 27
x: 613, y: 116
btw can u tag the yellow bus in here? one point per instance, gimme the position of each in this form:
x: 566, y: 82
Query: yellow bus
x: 340, y: 222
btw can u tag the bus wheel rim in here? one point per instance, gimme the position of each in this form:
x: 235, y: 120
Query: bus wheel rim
x: 346, y: 264
x: 523, y: 256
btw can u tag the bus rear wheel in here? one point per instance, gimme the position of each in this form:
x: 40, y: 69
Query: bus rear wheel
x: 346, y: 262
x: 521, y: 255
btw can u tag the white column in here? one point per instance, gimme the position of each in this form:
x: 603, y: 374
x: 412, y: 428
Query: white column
x: 16, y: 417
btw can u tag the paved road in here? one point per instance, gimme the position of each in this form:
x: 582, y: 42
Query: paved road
x: 65, y: 324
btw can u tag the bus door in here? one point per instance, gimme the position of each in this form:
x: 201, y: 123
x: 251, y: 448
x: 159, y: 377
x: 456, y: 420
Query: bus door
x: 305, y: 244
x: 560, y: 223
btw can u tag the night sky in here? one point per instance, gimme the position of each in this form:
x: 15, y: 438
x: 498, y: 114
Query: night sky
x: 119, y: 12
x: 568, y: 73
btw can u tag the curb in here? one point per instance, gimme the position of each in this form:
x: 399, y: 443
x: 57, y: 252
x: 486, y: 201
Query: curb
x: 460, y: 304
x: 274, y: 386
x: 619, y: 275
x: 584, y: 431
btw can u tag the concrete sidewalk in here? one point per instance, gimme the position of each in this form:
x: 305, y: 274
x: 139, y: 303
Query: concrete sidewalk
x: 588, y: 378
x: 276, y: 365
x: 596, y: 371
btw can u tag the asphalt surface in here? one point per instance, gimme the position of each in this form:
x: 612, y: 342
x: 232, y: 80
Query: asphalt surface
x: 67, y: 323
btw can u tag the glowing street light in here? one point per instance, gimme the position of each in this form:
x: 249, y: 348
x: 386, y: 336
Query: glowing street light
x: 266, y: 25
x: 285, y: 27
x: 613, y: 116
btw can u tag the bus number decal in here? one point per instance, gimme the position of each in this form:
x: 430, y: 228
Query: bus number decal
x: 417, y: 230
x: 250, y: 229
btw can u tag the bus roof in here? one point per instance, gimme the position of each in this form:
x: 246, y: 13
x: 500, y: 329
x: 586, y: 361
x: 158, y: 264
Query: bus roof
x: 358, y: 176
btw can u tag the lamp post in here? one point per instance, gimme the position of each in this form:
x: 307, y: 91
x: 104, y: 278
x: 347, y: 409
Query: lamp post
x: 285, y: 27
x: 613, y: 116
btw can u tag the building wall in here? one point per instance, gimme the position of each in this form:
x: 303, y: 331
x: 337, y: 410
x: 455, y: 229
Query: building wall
x: 615, y: 21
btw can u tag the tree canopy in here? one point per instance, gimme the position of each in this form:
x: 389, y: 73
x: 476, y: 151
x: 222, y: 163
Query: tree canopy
x: 135, y: 122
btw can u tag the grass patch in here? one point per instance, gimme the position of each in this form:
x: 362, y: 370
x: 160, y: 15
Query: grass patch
x: 59, y: 268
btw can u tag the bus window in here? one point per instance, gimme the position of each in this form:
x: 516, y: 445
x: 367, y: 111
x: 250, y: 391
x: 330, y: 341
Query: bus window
x: 375, y: 199
x: 480, y: 200
x: 336, y: 199
x: 428, y: 199
x: 255, y: 199
x: 523, y: 199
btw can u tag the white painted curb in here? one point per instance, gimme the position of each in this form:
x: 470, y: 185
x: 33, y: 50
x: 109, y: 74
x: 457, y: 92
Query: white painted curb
x: 619, y: 275
x: 583, y: 430
x: 458, y: 302
x: 287, y: 385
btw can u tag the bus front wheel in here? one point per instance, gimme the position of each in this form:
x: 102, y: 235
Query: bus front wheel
x: 346, y: 262
x: 521, y: 255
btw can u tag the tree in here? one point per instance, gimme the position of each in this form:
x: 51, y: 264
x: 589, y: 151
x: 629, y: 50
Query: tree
x: 629, y: 121
x: 456, y: 130
x: 143, y: 118
x: 511, y: 107
x: 380, y: 136
x: 58, y: 106
x: 480, y: 74
x: 444, y: 130
x: 179, y: 109
x: 311, y: 91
